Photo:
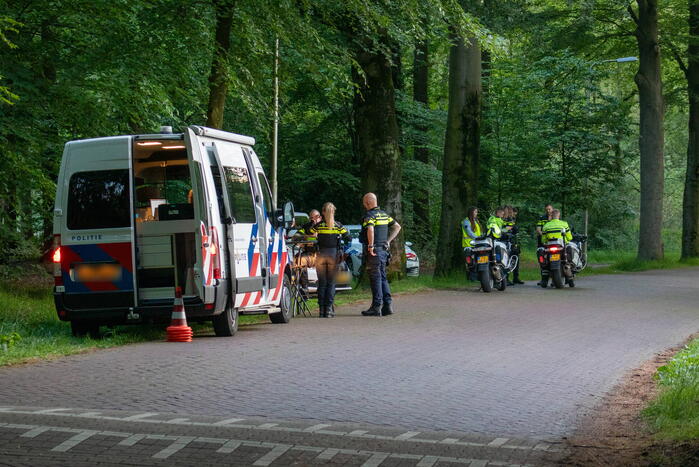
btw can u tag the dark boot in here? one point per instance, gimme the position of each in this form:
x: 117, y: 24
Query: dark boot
x: 323, y: 312
x: 372, y: 311
x: 331, y: 311
x: 387, y: 309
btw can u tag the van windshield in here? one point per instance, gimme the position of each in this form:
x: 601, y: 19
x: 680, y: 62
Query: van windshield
x: 163, y: 186
x: 98, y: 200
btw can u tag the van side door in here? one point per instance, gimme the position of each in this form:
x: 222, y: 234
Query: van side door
x: 274, y: 244
x: 246, y: 254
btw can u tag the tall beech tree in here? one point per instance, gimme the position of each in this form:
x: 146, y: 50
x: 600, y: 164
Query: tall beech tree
x: 651, y: 135
x: 461, y: 148
x: 218, y: 78
x: 421, y: 204
x: 690, y: 209
x: 377, y: 133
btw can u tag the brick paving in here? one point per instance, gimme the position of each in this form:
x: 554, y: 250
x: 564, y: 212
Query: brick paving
x: 525, y: 364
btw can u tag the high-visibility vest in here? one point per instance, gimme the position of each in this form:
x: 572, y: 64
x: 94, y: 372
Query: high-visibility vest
x: 467, y: 241
x: 556, y: 228
x: 495, y: 225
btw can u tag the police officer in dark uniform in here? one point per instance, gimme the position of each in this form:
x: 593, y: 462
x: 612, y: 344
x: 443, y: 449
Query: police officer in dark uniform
x: 330, y: 233
x: 309, y: 251
x: 378, y: 230
x: 511, y: 225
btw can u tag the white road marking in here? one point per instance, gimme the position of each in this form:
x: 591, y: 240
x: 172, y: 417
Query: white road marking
x: 233, y: 423
x: 51, y: 411
x: 317, y: 427
x: 178, y: 421
x: 497, y: 442
x: 327, y: 455
x: 66, y: 445
x: 376, y: 459
x: 229, y: 447
x: 181, y: 443
x: 228, y: 421
x: 35, y: 432
x: 139, y: 416
x: 406, y: 435
x: 132, y: 440
x: 427, y: 461
x: 272, y: 455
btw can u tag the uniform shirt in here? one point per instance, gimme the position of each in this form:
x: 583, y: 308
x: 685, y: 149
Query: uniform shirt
x: 330, y: 237
x: 306, y: 229
x: 381, y: 222
x: 542, y: 221
x: 469, y: 234
x: 554, y: 229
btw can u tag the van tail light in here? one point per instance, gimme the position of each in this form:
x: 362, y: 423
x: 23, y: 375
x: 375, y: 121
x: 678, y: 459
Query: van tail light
x: 214, y: 252
x: 57, y: 273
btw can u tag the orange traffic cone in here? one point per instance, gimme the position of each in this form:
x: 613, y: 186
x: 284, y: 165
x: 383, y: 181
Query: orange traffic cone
x: 178, y: 331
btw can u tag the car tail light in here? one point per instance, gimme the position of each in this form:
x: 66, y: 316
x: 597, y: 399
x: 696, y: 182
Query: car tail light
x: 208, y: 306
x: 410, y: 255
x: 57, y: 273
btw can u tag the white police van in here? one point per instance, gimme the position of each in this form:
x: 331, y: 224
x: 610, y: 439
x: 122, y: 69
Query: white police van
x: 138, y: 216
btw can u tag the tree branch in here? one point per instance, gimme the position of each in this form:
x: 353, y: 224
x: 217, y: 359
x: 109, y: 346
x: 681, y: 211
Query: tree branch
x: 632, y: 13
x: 678, y: 58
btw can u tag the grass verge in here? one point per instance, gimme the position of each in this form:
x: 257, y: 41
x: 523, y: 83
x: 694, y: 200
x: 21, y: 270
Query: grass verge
x: 674, y: 415
x: 27, y: 310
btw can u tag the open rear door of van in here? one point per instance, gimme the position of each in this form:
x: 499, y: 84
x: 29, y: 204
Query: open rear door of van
x: 201, y: 198
x: 96, y: 229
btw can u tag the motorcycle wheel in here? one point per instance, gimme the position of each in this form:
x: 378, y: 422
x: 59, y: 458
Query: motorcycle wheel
x: 557, y: 276
x: 486, y: 278
x: 502, y: 285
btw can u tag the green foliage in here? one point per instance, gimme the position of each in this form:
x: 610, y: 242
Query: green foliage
x: 675, y: 413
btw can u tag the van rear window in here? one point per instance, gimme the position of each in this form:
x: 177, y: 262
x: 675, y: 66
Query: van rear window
x: 98, y: 200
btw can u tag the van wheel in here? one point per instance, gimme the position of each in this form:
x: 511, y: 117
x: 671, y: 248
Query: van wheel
x: 283, y: 316
x: 84, y: 328
x: 226, y: 323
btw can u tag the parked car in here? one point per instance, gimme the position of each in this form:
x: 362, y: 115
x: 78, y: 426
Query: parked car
x: 354, y: 254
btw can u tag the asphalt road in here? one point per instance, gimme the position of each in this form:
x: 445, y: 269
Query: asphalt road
x: 485, y: 379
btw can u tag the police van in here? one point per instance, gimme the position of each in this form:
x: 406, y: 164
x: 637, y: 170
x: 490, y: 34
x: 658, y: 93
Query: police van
x: 138, y: 216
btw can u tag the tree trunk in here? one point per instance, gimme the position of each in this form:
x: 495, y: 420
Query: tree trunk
x: 651, y: 139
x: 218, y: 78
x: 421, y: 205
x: 377, y: 139
x: 461, y: 150
x: 690, y: 208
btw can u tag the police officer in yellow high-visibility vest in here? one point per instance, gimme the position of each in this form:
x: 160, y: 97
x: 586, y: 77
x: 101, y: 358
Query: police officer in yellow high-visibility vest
x: 552, y: 230
x: 378, y: 230
x: 470, y: 228
x: 330, y: 232
x: 556, y: 228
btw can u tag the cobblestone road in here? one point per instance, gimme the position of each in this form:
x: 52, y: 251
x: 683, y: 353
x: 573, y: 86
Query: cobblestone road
x: 525, y: 364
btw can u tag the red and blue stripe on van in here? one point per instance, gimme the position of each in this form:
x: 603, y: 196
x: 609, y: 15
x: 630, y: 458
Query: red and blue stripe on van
x: 116, y: 253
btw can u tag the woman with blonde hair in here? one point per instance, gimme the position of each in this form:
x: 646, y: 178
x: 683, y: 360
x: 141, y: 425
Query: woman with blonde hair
x: 330, y: 233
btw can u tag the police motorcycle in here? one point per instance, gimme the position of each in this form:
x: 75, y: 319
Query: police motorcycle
x: 561, y: 261
x: 490, y: 259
